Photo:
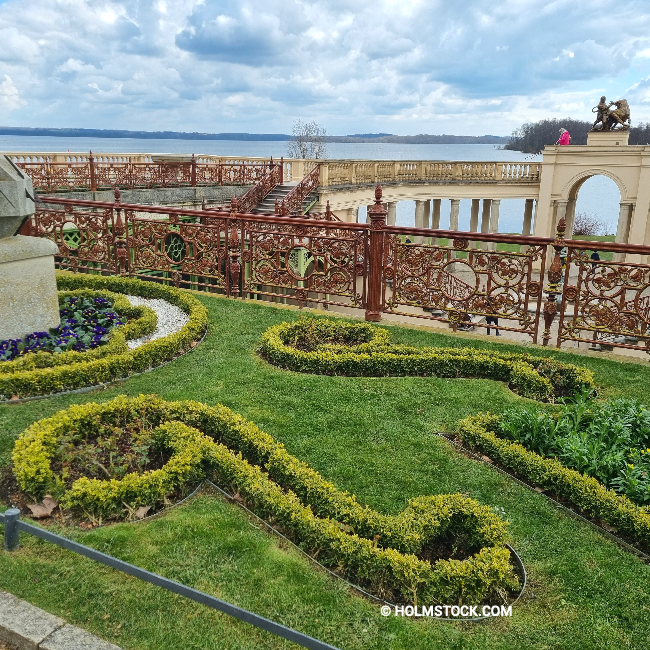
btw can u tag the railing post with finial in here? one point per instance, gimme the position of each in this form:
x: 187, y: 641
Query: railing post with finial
x: 232, y: 287
x: 193, y: 171
x: 328, y: 211
x: 119, y: 236
x: 377, y: 214
x: 93, y: 181
x: 554, y: 277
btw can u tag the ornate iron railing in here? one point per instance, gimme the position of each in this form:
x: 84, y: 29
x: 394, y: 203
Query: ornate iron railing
x: 237, y: 254
x: 249, y: 201
x: 463, y: 285
x: 92, y: 174
x: 292, y: 202
x: 463, y: 281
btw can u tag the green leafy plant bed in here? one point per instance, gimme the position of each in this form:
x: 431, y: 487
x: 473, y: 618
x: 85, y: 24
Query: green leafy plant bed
x: 333, y: 347
x: 580, y: 444
x: 44, y: 373
x: 102, y: 460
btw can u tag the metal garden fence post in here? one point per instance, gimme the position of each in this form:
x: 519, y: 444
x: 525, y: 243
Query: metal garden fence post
x: 11, y: 518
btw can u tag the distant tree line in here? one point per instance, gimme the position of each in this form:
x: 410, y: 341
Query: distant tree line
x: 422, y: 138
x: 532, y: 137
x: 182, y: 135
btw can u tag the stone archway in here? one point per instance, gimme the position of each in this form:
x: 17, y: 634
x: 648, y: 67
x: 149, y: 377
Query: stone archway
x: 572, y: 191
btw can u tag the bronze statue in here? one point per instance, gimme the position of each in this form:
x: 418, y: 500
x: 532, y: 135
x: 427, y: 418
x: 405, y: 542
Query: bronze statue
x: 620, y: 115
x: 612, y: 119
x: 602, y: 109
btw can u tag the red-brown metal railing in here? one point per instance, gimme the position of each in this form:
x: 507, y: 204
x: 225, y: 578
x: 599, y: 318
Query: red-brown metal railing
x: 379, y: 268
x: 93, y: 175
x: 264, y: 186
x: 292, y: 202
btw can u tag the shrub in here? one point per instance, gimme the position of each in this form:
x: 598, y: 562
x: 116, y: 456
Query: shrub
x: 586, y: 493
x: 115, y: 360
x: 332, y: 347
x: 398, y: 556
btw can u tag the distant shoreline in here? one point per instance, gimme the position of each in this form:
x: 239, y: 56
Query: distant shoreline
x: 258, y: 137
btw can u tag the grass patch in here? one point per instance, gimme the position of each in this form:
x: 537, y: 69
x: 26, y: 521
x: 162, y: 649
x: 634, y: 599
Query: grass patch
x: 370, y: 436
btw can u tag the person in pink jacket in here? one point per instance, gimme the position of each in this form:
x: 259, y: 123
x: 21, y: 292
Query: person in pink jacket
x: 565, y: 138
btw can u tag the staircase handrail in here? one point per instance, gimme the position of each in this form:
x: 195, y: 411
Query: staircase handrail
x: 249, y: 201
x: 292, y: 202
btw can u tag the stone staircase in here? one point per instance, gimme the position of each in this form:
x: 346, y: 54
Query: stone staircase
x: 267, y: 206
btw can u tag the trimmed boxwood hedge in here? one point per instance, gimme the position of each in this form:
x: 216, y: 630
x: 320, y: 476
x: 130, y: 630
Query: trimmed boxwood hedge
x: 100, y: 365
x: 333, y: 347
x: 585, y: 492
x: 387, y: 553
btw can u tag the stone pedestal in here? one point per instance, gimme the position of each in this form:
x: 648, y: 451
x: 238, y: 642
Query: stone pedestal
x: 28, y: 295
x: 607, y: 138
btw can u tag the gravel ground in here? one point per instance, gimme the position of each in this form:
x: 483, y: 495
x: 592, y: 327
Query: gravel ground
x: 170, y: 319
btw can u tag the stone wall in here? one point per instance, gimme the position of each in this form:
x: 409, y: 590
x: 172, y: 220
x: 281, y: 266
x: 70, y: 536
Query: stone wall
x: 164, y: 195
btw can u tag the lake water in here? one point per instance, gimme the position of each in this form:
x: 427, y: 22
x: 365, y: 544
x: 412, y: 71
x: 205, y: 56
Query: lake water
x: 598, y: 197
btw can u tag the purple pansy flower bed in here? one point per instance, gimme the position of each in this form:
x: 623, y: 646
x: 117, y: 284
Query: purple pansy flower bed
x: 85, y: 324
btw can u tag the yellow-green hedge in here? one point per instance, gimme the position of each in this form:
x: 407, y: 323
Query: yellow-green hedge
x: 537, y: 378
x: 585, y: 492
x: 92, y: 367
x: 379, y: 551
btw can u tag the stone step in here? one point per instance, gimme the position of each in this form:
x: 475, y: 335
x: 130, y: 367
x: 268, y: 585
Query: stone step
x: 29, y: 628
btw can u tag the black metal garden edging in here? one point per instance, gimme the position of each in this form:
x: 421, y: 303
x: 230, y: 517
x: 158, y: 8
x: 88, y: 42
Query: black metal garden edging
x: 13, y: 525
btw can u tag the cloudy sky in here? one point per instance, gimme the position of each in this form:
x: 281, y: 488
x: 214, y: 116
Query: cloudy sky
x: 396, y: 66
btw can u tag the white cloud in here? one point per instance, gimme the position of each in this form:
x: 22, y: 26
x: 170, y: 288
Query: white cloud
x: 355, y: 65
x: 9, y: 96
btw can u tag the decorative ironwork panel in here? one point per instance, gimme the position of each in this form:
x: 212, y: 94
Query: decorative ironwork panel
x: 50, y: 177
x: 208, y: 174
x: 608, y: 302
x: 292, y: 203
x: 306, y: 263
x: 192, y: 255
x: 113, y: 174
x: 463, y: 285
x: 264, y: 186
x: 86, y: 240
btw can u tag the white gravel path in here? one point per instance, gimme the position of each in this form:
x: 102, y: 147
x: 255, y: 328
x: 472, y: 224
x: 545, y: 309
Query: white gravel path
x: 170, y: 319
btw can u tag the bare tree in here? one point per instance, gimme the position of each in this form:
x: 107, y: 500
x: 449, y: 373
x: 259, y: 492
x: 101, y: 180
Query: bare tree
x: 587, y: 224
x: 307, y: 140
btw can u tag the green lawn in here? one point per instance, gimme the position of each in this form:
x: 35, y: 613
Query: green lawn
x: 371, y: 436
